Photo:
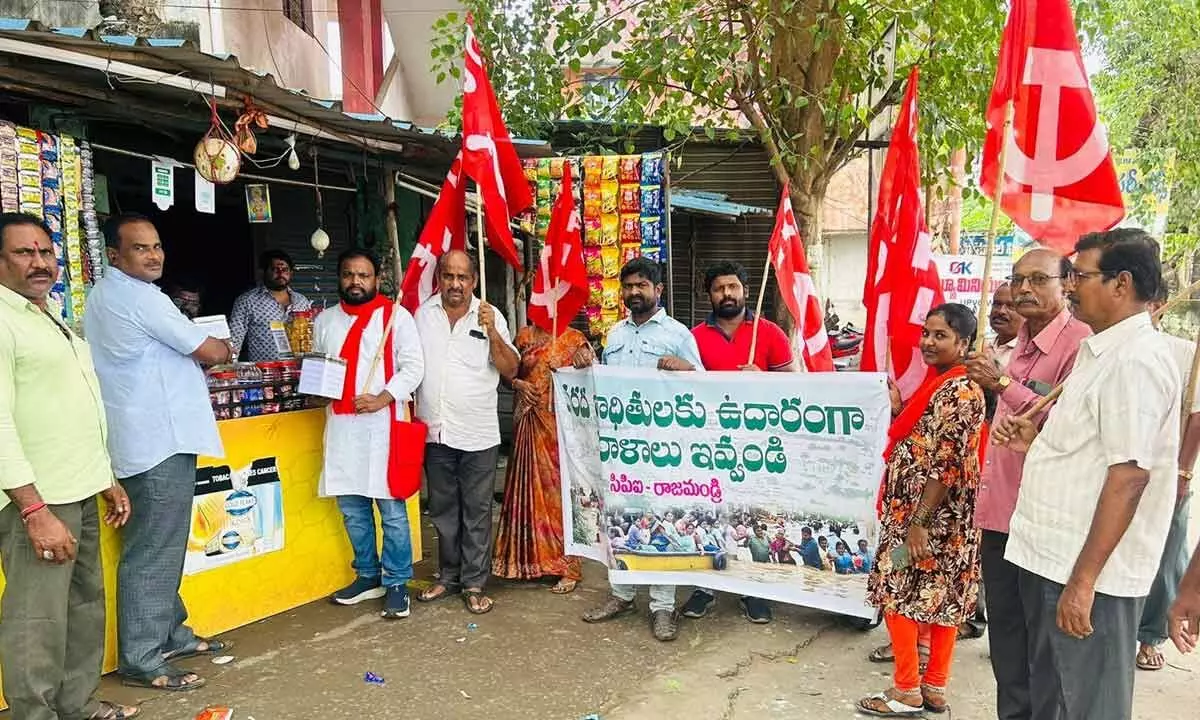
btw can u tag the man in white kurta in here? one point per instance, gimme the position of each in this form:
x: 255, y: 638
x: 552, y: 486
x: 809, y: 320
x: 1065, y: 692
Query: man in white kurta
x: 358, y: 429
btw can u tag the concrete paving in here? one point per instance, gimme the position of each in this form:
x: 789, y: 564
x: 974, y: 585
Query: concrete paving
x: 533, y: 659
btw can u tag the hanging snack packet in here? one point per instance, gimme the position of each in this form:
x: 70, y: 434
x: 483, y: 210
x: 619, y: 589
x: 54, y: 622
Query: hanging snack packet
x: 630, y: 251
x: 593, y: 168
x: 630, y: 229
x: 631, y: 169
x: 611, y: 168
x: 593, y: 320
x: 653, y: 254
x: 652, y: 235
x: 556, y: 167
x: 610, y: 296
x: 608, y: 197
x: 530, y: 165
x: 608, y: 318
x: 543, y: 188
x: 651, y: 200
x: 591, y: 261
x: 609, y: 234
x: 595, y: 291
x: 610, y: 260
x: 591, y: 232
x: 543, y: 168
x: 652, y: 169
x: 591, y: 202
x: 631, y: 199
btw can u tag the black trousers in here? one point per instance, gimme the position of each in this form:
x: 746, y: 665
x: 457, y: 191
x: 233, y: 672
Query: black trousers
x: 1007, y: 639
x: 461, y: 485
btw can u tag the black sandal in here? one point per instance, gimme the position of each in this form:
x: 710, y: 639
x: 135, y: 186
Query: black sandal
x: 469, y: 595
x: 113, y: 711
x: 176, y: 680
x: 215, y: 647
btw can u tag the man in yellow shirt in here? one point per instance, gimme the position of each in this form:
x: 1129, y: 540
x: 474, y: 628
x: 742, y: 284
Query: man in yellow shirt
x: 53, y: 463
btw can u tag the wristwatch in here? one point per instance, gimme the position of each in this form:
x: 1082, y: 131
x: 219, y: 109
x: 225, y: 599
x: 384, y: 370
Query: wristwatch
x: 1004, y: 382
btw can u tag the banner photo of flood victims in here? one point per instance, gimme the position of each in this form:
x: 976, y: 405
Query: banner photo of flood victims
x: 235, y: 515
x: 762, y: 484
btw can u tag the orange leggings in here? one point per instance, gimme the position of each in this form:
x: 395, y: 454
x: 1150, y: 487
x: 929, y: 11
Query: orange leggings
x: 904, y: 633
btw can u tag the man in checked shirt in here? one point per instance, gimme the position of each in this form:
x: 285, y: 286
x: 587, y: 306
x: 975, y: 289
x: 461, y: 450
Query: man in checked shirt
x: 255, y: 310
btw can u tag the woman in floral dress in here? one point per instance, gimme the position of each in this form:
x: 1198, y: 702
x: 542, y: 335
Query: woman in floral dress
x: 927, y: 565
x: 529, y: 541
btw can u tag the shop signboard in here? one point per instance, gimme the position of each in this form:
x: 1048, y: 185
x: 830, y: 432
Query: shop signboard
x: 235, y: 514
x: 962, y: 277
x: 659, y: 469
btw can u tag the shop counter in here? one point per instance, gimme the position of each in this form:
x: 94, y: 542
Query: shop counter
x: 262, y: 542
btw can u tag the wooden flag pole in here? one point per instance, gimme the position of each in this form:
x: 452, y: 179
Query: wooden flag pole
x: 481, y: 246
x: 1185, y: 410
x: 394, y: 236
x: 1193, y: 379
x: 762, y: 291
x: 989, y: 249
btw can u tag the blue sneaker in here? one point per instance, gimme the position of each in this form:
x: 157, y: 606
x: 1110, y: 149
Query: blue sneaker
x: 396, y: 606
x: 359, y: 590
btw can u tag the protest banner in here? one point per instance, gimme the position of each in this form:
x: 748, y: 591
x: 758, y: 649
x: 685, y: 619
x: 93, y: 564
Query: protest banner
x: 962, y: 277
x: 660, y: 469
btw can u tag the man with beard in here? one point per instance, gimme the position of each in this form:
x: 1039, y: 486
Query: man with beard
x: 467, y: 349
x: 272, y: 302
x: 1098, y: 488
x: 1043, y: 356
x: 648, y: 338
x: 359, y: 437
x: 52, y: 465
x: 724, y: 340
x: 148, y: 358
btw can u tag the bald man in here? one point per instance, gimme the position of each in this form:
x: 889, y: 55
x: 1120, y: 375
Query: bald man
x: 467, y: 350
x: 1042, y: 358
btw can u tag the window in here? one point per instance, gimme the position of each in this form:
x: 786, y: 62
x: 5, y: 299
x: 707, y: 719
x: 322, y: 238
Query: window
x: 299, y: 12
x: 602, y: 93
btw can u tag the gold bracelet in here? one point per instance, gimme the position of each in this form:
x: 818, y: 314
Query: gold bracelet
x: 1185, y: 474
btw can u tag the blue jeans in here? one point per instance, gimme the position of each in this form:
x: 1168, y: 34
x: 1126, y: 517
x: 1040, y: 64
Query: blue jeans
x: 151, y: 618
x: 397, y: 559
x: 1153, y: 627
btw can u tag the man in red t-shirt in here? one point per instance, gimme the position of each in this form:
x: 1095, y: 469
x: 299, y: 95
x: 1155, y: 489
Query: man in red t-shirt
x: 724, y: 340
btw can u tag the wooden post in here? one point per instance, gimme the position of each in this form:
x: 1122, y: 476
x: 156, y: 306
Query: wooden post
x: 481, y: 247
x: 762, y: 291
x: 394, y: 236
x: 990, y: 248
x: 1185, y: 411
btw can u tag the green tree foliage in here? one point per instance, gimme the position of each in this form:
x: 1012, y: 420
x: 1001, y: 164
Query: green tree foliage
x: 809, y: 77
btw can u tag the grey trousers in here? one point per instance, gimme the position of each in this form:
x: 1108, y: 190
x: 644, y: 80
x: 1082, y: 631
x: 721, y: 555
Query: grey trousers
x: 52, y: 634
x: 150, y: 613
x: 461, y: 484
x: 1088, y: 679
x: 1007, y: 639
x: 1172, y: 566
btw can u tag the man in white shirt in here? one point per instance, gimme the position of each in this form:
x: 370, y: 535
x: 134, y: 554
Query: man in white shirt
x: 467, y: 349
x: 148, y: 357
x: 359, y: 428
x: 1153, y: 631
x: 1098, y: 488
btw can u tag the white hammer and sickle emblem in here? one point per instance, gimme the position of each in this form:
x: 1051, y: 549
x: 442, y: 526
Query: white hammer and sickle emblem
x: 1053, y: 70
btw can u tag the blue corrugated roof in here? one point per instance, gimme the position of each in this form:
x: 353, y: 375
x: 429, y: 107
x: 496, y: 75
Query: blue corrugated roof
x: 711, y: 203
x: 181, y: 57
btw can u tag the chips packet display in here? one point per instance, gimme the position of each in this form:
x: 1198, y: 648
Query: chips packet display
x: 630, y: 171
x: 609, y: 234
x: 610, y: 170
x: 630, y: 229
x: 630, y: 200
x: 608, y: 197
x: 610, y: 260
x: 652, y: 169
x: 592, y: 261
x: 610, y: 297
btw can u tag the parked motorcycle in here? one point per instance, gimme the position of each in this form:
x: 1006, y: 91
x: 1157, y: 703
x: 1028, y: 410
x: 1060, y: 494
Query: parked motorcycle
x: 845, y: 341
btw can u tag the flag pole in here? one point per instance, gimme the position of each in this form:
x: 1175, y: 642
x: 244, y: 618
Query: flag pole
x: 393, y: 235
x: 762, y: 291
x: 1185, y: 410
x: 481, y: 247
x: 989, y: 249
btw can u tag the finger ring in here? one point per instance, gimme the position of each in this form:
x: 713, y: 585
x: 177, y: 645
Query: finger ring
x: 47, y: 554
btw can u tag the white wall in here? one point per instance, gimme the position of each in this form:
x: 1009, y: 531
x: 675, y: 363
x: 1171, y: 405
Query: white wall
x: 846, y: 266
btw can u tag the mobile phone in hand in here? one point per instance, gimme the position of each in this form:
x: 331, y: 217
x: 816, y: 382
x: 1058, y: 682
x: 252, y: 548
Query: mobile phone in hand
x: 900, y: 558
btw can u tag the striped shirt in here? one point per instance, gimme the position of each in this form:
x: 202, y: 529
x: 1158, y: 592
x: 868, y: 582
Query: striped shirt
x: 1120, y: 404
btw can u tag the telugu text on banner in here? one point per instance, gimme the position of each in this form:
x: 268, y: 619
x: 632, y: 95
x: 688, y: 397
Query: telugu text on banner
x: 756, y: 483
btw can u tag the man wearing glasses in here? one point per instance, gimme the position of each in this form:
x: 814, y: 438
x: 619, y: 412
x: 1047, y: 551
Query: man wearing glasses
x: 1043, y: 355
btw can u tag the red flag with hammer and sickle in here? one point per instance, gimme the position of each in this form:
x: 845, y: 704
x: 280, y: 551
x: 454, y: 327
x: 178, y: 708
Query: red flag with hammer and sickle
x: 1059, y: 180
x: 489, y: 157
x: 444, y: 230
x: 560, y: 288
x: 798, y: 290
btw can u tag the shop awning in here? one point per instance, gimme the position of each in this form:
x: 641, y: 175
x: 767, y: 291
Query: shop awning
x: 713, y: 204
x: 40, y: 57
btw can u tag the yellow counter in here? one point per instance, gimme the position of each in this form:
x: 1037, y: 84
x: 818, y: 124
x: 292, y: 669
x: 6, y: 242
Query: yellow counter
x: 315, y: 557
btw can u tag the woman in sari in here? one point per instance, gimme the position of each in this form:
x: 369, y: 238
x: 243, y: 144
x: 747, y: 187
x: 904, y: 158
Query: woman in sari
x: 927, y: 565
x: 529, y: 541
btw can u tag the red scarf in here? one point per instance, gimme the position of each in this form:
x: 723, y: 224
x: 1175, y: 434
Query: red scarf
x: 362, y: 315
x: 906, y: 422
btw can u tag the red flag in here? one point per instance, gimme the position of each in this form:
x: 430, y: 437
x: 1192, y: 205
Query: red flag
x: 489, y: 157
x: 560, y: 288
x: 1059, y: 177
x: 797, y: 288
x: 444, y: 230
x: 902, y: 281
